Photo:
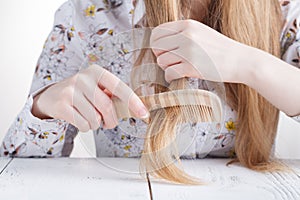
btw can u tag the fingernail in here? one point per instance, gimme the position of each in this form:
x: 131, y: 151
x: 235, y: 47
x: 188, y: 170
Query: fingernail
x: 143, y: 113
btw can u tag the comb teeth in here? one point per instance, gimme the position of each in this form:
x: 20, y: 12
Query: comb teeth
x: 201, y: 104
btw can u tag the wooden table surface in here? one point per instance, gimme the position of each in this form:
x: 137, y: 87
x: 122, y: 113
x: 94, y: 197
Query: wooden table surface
x: 3, y: 163
x: 118, y: 178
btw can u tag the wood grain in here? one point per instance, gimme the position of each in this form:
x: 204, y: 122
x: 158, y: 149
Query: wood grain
x: 233, y: 182
x: 74, y: 179
x: 188, y: 97
x: 3, y: 163
x: 67, y: 178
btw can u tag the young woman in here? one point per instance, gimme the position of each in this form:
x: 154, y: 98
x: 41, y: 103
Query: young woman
x: 243, y: 38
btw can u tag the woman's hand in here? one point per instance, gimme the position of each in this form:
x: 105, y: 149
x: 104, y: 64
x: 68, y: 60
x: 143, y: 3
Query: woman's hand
x: 188, y: 48
x: 84, y: 100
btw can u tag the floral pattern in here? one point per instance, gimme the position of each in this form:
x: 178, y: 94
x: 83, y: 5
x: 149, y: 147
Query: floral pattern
x: 83, y: 33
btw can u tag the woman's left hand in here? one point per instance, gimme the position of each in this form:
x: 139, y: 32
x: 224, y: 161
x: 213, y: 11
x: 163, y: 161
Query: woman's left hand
x: 188, y: 48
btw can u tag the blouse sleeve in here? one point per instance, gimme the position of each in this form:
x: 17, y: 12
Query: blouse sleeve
x: 61, y: 57
x: 290, y: 42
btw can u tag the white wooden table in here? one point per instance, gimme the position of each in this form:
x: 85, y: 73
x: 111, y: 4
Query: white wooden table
x: 4, y: 163
x: 70, y: 178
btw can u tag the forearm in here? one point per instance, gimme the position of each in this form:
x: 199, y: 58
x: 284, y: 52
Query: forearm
x: 275, y: 80
x: 30, y: 136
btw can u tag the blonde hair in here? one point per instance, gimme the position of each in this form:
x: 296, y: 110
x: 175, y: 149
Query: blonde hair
x: 252, y: 22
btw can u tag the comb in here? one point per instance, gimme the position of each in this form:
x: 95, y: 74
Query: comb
x: 208, y: 102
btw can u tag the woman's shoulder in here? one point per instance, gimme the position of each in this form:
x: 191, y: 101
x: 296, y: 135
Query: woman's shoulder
x: 93, y: 8
x: 103, y: 5
x: 95, y: 12
x: 291, y: 28
x: 291, y: 14
x: 290, y: 8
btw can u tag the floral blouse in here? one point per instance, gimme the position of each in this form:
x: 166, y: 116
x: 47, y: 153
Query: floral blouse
x: 83, y: 32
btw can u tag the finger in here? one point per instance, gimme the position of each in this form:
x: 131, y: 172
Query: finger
x: 122, y: 91
x: 105, y: 106
x: 168, y: 59
x: 108, y: 93
x: 181, y: 70
x: 73, y: 117
x: 166, y: 29
x: 100, y: 101
x: 165, y: 45
x: 87, y: 110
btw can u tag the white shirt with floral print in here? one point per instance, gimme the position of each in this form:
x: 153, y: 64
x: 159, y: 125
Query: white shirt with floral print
x: 77, y: 37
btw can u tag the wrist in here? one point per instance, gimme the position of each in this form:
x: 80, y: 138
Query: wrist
x: 255, y: 67
x: 243, y: 65
x: 36, y: 110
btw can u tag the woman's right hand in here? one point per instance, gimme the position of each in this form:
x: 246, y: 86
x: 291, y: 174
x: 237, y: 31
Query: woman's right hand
x: 84, y: 100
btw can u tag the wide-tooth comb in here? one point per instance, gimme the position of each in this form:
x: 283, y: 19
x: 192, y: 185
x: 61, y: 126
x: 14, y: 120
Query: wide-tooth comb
x: 210, y: 104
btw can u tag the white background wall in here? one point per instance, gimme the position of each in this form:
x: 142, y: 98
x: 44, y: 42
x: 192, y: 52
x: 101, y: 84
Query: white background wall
x: 24, y: 28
